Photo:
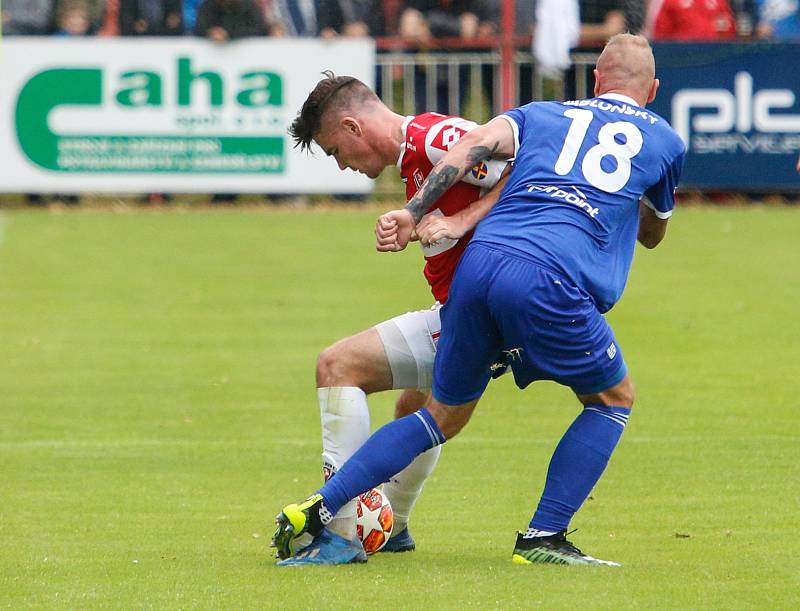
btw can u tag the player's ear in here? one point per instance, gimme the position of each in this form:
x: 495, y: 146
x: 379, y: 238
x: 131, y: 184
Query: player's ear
x: 351, y: 126
x: 653, y: 89
x: 597, y: 78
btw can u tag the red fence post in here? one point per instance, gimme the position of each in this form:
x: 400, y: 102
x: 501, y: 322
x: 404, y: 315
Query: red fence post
x: 507, y: 55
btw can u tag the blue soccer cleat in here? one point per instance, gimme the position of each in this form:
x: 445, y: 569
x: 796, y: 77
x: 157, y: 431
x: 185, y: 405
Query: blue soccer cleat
x: 328, y: 548
x: 401, y: 542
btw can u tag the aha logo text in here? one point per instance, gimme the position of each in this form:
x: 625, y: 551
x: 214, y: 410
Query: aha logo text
x: 178, y: 148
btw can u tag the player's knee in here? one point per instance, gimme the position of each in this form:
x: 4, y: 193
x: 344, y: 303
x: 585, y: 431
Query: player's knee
x: 621, y: 395
x: 332, y: 368
x: 624, y: 394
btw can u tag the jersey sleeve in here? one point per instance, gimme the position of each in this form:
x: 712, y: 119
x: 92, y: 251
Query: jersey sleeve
x: 660, y: 198
x: 516, y: 119
x: 443, y: 136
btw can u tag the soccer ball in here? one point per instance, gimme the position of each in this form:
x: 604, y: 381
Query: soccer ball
x: 374, y: 520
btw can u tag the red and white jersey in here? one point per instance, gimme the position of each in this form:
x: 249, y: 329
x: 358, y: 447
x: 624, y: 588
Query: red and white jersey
x: 427, y: 138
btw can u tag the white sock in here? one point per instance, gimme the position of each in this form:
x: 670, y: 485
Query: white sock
x: 404, y: 489
x: 345, y: 427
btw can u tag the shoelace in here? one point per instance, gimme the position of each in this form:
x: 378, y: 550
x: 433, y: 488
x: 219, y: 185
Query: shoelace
x: 570, y: 546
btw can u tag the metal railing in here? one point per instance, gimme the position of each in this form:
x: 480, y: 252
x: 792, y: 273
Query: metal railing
x: 454, y: 81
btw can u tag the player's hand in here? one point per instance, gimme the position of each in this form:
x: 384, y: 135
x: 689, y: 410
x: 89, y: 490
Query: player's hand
x: 385, y: 234
x: 435, y: 228
x: 393, y: 230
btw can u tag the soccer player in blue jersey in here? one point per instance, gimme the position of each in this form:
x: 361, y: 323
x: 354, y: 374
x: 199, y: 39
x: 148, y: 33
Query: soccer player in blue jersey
x: 589, y: 178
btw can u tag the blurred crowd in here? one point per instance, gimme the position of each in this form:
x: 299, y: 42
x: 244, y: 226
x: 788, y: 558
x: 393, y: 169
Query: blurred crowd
x: 414, y: 22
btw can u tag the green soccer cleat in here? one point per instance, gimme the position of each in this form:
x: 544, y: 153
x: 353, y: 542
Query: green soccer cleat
x: 295, y: 520
x: 554, y: 549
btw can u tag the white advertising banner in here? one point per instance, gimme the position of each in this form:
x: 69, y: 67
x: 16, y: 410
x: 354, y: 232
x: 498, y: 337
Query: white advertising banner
x: 154, y: 114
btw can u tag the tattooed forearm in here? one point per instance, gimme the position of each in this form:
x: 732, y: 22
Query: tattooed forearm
x: 437, y: 182
x: 442, y: 177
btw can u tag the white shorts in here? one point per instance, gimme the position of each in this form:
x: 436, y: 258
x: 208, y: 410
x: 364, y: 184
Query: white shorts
x: 410, y: 342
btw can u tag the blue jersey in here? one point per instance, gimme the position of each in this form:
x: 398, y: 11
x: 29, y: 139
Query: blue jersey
x: 571, y: 204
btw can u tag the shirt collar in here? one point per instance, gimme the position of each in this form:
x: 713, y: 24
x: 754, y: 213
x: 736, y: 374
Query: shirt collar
x: 619, y: 98
x: 403, y: 129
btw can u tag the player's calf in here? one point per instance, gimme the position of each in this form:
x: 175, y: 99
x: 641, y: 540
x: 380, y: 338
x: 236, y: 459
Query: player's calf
x: 408, y: 402
x: 451, y: 418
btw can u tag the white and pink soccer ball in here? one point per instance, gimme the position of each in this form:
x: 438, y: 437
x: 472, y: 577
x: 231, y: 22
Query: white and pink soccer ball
x: 374, y: 520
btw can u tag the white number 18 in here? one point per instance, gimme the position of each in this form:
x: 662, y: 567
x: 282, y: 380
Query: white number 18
x: 610, y: 182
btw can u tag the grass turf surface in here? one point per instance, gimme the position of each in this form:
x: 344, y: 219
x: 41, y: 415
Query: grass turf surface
x: 157, y: 408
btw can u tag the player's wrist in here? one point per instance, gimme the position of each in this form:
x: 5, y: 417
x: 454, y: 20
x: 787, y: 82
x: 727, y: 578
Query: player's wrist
x: 409, y: 211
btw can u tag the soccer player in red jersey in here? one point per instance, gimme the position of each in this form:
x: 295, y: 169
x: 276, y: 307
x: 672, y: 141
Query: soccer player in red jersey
x: 349, y: 122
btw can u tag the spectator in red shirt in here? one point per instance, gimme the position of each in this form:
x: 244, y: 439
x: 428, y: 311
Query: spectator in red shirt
x: 691, y: 20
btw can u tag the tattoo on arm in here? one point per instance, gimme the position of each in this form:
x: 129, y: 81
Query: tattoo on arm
x: 441, y: 178
x: 479, y: 153
x: 438, y: 181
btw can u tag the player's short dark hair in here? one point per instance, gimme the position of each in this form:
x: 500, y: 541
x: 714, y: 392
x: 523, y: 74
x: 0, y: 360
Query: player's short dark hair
x: 331, y: 93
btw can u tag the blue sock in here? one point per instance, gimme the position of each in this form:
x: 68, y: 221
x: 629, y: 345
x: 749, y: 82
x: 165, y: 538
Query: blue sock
x: 577, y: 464
x: 389, y: 450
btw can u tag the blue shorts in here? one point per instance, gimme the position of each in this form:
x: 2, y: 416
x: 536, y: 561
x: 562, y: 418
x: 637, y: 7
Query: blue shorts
x: 546, y: 327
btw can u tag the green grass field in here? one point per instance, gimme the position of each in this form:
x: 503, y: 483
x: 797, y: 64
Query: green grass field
x: 157, y: 408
